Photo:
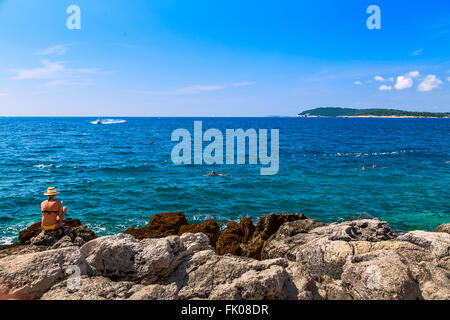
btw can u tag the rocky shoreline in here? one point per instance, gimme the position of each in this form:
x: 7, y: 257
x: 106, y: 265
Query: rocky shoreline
x: 283, y: 256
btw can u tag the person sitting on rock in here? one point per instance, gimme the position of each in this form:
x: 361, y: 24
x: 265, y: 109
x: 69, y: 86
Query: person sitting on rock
x: 52, y: 211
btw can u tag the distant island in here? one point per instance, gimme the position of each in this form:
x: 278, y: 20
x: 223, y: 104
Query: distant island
x: 369, y: 113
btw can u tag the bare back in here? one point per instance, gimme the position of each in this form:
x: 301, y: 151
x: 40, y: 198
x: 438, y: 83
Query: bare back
x: 51, y: 212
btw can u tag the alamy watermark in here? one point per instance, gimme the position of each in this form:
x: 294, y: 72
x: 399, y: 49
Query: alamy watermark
x: 73, y: 22
x: 235, y: 147
x: 374, y: 280
x: 374, y: 21
x: 74, y: 281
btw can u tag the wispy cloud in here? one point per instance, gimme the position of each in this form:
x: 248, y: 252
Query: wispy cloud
x: 59, y: 50
x: 358, y: 83
x: 48, y: 70
x: 382, y: 79
x: 57, y: 72
x: 2, y: 94
x: 413, y: 74
x: 385, y: 88
x: 196, y: 89
x: 429, y: 83
x: 417, y: 52
x: 242, y: 84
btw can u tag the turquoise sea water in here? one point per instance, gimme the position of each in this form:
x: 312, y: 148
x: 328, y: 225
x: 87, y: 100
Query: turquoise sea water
x: 112, y: 176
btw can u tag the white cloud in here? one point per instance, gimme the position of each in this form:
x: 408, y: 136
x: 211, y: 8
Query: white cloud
x: 196, y: 89
x: 417, y: 52
x: 413, y: 74
x: 55, y: 83
x: 57, y: 72
x: 385, y: 88
x: 448, y: 79
x: 357, y: 83
x: 379, y: 78
x: 243, y: 84
x: 2, y: 94
x: 403, y: 83
x: 47, y: 71
x: 391, y: 79
x: 429, y: 83
x: 60, y: 50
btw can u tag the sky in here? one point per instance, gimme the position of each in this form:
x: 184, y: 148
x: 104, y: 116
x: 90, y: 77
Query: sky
x: 221, y: 58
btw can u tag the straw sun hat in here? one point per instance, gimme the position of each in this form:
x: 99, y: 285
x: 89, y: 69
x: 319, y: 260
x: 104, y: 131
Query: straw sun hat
x: 51, y: 192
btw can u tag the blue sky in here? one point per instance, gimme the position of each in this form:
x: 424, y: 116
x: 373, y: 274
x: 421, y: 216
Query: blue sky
x: 221, y: 58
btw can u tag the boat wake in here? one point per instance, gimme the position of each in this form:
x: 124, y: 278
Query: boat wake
x: 108, y: 121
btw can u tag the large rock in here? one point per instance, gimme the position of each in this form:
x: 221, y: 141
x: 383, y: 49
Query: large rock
x: 359, y: 230
x: 28, y: 276
x: 434, y: 281
x: 94, y: 288
x: 282, y: 243
x: 160, y: 257
x: 32, y: 231
x: 73, y: 230
x: 17, y: 249
x: 254, y: 285
x: 323, y: 245
x: 443, y: 228
x: 437, y: 243
x: 210, y: 276
x: 160, y: 225
x: 379, y: 275
x: 112, y: 256
x: 122, y: 257
x: 72, y: 227
x: 245, y: 239
x: 155, y: 292
x: 210, y: 228
x: 267, y: 225
x: 303, y: 259
x: 325, y: 251
x: 234, y: 236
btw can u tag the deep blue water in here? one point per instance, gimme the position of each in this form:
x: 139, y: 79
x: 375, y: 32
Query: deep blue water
x: 112, y: 177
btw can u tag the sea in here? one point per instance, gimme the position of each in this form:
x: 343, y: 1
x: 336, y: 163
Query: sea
x: 116, y: 175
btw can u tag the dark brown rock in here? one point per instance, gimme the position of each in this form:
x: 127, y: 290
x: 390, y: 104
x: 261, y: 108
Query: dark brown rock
x: 26, y: 235
x: 443, y: 228
x: 73, y: 232
x: 247, y: 228
x: 232, y: 238
x: 209, y: 228
x: 267, y: 226
x: 160, y: 225
x: 35, y: 229
x: 245, y: 239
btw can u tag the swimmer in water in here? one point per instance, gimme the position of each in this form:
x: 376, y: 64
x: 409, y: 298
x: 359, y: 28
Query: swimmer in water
x: 363, y: 168
x: 374, y: 166
x: 213, y: 173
